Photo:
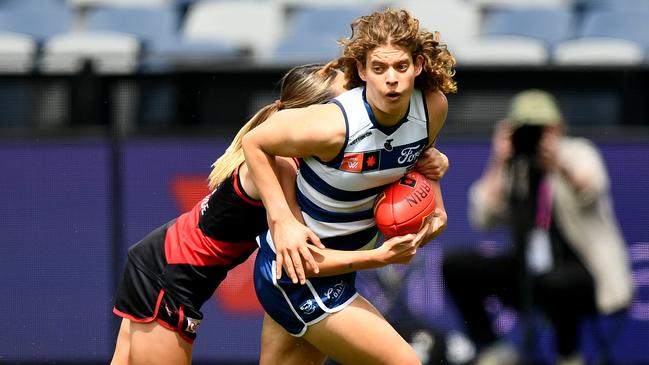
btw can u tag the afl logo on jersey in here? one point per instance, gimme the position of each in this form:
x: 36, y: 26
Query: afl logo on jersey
x: 361, y: 161
x: 388, y: 144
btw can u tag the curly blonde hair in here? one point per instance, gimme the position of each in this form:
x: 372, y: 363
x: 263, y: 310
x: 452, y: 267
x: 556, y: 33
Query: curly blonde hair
x: 301, y: 86
x: 398, y: 27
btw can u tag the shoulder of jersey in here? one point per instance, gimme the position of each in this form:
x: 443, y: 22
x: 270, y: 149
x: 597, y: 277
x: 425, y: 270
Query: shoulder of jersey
x: 350, y: 94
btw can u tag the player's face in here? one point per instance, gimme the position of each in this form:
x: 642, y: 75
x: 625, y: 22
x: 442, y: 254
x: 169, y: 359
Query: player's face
x: 337, y: 86
x: 389, y: 73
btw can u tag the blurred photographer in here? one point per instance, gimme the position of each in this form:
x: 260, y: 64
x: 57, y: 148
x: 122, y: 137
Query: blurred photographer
x: 568, y: 257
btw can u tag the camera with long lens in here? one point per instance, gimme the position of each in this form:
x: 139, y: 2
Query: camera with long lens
x: 525, y: 140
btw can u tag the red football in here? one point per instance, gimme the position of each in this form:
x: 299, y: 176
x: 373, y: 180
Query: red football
x: 403, y: 207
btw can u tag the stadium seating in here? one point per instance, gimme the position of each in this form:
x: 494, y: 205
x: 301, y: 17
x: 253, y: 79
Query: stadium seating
x: 607, y: 37
x: 518, y: 36
x: 608, y: 5
x: 330, y: 3
x: 550, y: 25
x: 162, y: 35
x: 255, y: 25
x: 17, y: 52
x: 157, y: 28
x: 513, y: 4
x: 41, y: 22
x: 459, y: 24
x: 312, y: 33
x: 119, y: 3
x: 50, y: 24
x: 23, y: 26
x: 108, y: 52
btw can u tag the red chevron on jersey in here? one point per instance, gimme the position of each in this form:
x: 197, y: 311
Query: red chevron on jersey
x: 186, y: 244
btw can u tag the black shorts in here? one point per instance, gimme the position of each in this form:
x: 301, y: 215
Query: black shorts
x: 152, y: 290
x: 142, y: 299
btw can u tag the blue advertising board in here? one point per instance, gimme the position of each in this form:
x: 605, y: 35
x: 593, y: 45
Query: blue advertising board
x: 58, y: 265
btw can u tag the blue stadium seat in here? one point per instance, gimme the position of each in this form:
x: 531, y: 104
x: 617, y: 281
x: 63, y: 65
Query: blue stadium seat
x: 158, y: 30
x: 31, y: 4
x: 624, y: 24
x: 608, y: 37
x: 41, y: 21
x: 321, y: 19
x: 612, y: 5
x: 550, y: 25
x: 108, y: 52
x: 312, y: 33
x: 17, y: 52
x: 514, y: 36
x: 151, y: 24
x: 511, y: 4
x: 254, y: 25
x: 118, y: 3
x: 24, y: 26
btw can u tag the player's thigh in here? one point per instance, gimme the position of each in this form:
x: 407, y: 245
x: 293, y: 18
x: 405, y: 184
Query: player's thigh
x: 279, y: 347
x: 358, y: 334
x: 123, y: 343
x: 151, y: 343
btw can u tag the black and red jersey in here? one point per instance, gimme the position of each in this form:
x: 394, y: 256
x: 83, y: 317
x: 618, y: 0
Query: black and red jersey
x: 191, y: 255
x: 219, y: 229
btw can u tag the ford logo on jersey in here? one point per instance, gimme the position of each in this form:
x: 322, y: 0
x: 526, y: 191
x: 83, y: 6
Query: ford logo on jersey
x: 388, y: 158
x: 409, y: 154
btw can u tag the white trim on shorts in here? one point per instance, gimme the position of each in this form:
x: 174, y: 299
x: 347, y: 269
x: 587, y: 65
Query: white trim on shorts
x: 273, y: 266
x: 327, y: 311
x: 323, y: 306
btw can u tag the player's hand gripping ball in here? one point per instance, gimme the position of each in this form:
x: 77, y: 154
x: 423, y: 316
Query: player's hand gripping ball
x: 403, y: 207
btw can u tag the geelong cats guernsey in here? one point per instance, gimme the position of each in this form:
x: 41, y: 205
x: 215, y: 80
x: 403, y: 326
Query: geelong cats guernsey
x: 337, y: 197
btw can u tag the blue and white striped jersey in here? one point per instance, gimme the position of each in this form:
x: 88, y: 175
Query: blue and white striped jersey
x: 337, y: 197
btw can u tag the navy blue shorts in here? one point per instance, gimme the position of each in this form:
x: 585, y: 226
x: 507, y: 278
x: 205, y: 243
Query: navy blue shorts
x: 296, y: 306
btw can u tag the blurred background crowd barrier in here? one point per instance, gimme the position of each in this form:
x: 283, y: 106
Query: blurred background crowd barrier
x: 111, y: 112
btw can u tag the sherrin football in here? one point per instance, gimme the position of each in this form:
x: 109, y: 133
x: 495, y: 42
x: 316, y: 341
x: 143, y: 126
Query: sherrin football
x: 403, y: 207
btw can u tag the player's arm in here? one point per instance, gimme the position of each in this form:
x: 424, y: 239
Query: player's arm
x: 432, y: 163
x: 437, y: 111
x: 396, y: 250
x: 313, y: 131
x: 286, y: 174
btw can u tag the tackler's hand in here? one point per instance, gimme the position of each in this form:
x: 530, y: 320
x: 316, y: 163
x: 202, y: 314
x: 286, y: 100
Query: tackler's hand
x: 398, y: 249
x: 291, y: 238
x: 432, y: 163
x: 434, y: 226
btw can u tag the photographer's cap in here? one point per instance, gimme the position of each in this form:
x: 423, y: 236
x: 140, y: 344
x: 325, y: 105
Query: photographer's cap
x: 534, y: 107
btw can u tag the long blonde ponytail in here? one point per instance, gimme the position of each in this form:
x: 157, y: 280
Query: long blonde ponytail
x: 301, y: 86
x: 233, y: 155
